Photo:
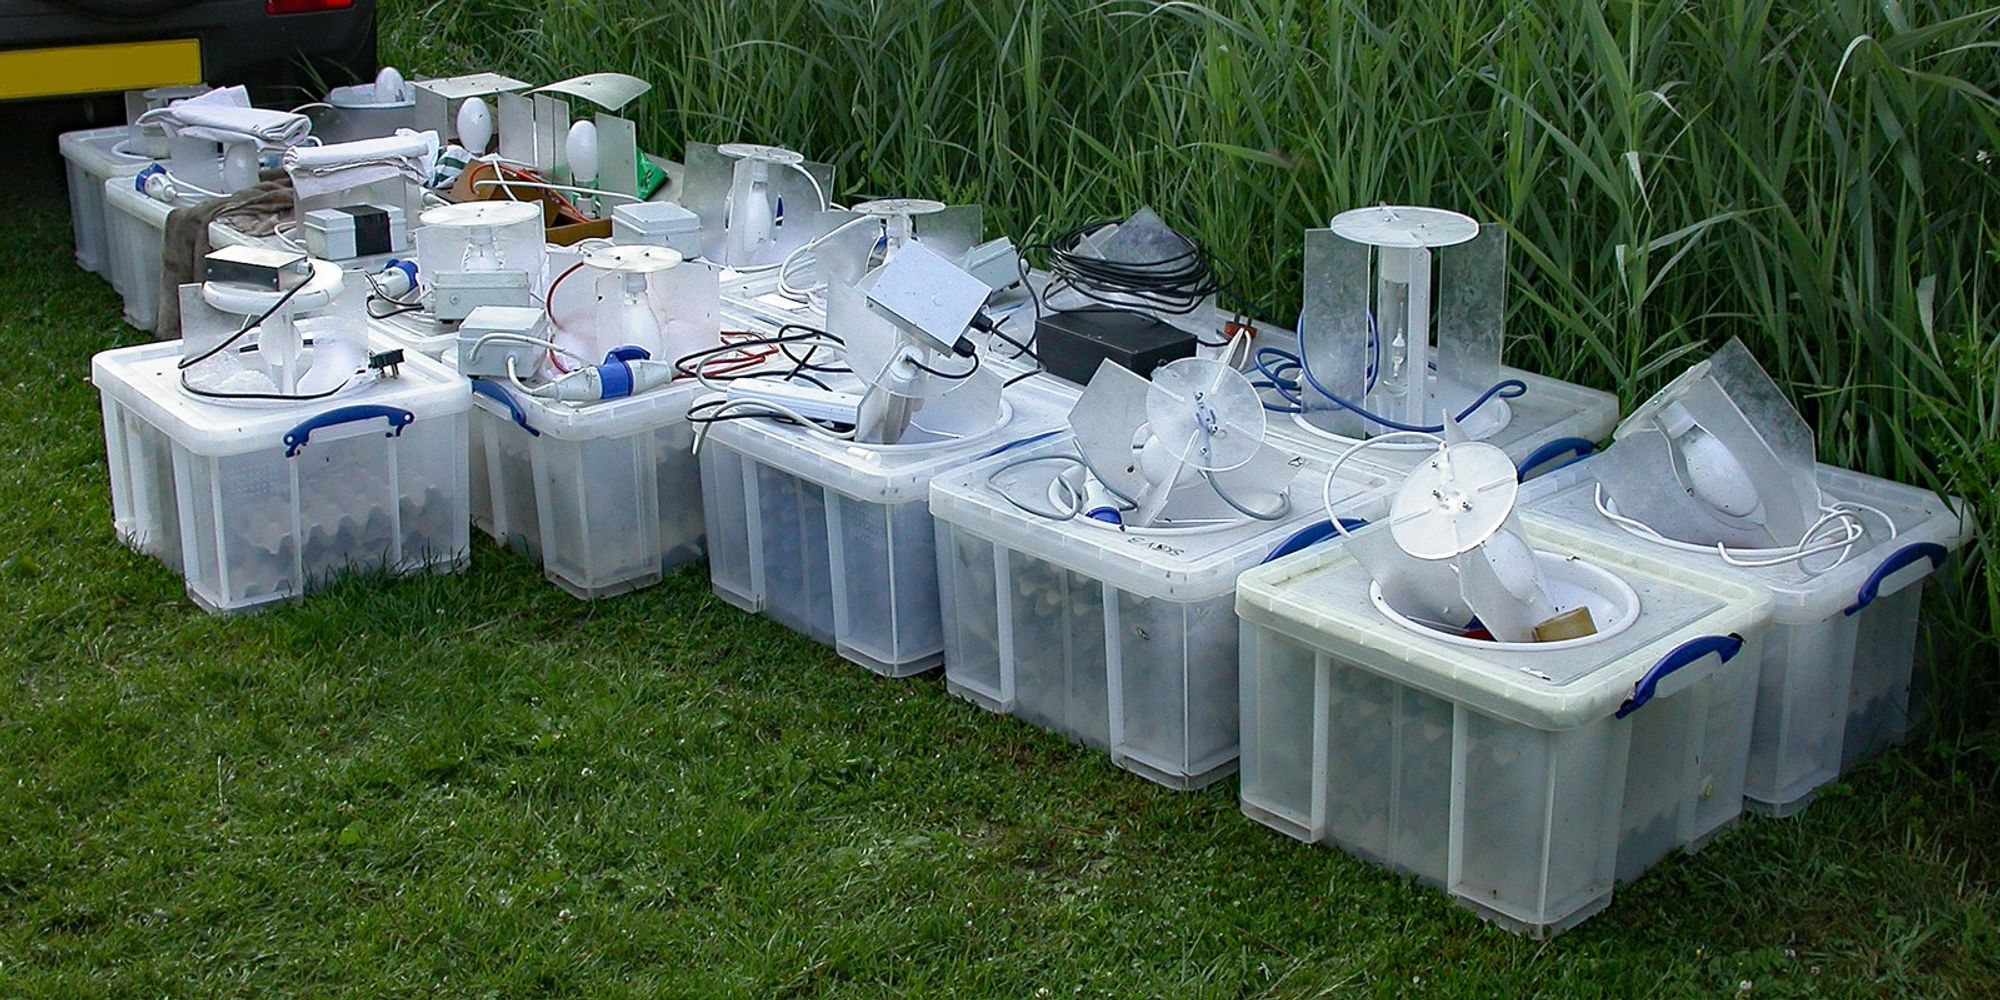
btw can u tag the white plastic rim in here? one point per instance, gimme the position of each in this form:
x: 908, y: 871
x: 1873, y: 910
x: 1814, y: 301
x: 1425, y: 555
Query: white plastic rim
x: 471, y: 214
x: 888, y: 207
x: 633, y: 258
x: 754, y: 151
x: 1404, y: 226
x: 1491, y: 418
x: 1571, y: 583
x: 1000, y: 422
x: 244, y: 300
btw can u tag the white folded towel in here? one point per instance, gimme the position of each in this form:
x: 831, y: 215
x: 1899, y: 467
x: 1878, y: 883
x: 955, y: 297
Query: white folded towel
x: 317, y: 170
x: 225, y: 115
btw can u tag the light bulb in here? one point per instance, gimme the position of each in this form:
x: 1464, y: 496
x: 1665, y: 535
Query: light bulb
x: 481, y: 252
x: 389, y: 86
x: 239, y: 166
x: 896, y: 229
x: 1716, y: 477
x: 637, y: 326
x: 751, y: 213
x: 475, y: 125
x: 581, y: 145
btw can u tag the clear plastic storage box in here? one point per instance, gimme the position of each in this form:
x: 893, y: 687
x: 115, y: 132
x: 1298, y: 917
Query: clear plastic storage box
x: 834, y: 539
x: 90, y: 158
x: 607, y: 495
x: 1523, y: 781
x: 255, y: 504
x: 1834, y: 682
x: 1124, y: 640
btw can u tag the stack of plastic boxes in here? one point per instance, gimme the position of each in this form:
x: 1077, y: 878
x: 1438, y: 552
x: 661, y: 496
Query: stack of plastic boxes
x: 1524, y: 779
x: 1123, y: 639
x: 1835, y: 677
x: 255, y: 504
x: 835, y: 539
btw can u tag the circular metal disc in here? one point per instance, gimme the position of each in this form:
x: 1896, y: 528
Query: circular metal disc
x: 1404, y: 226
x: 1205, y: 413
x: 633, y: 259
x: 467, y: 214
x: 753, y: 151
x: 1454, y: 501
x: 886, y: 207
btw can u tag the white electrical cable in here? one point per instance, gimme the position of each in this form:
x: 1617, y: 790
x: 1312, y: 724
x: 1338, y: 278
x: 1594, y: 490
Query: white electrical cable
x: 824, y: 204
x: 522, y: 338
x: 547, y: 390
x: 1843, y: 515
x: 785, y: 287
x: 1333, y: 471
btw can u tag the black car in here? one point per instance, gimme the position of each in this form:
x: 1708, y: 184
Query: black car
x: 285, y: 50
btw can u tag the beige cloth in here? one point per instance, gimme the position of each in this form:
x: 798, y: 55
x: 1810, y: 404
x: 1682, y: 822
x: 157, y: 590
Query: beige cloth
x: 253, y: 211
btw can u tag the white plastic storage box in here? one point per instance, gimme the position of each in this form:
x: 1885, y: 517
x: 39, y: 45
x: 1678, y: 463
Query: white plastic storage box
x: 1122, y: 639
x: 606, y: 495
x: 1834, y: 683
x: 265, y: 503
x: 1524, y: 780
x: 136, y: 239
x: 90, y: 158
x: 834, y: 539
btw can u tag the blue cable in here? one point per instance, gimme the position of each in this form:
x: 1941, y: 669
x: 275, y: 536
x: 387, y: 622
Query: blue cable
x: 1312, y: 534
x: 1509, y: 388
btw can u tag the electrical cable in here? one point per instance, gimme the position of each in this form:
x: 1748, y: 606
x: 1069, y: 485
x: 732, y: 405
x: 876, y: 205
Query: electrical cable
x: 1176, y: 284
x: 1284, y: 502
x: 1507, y: 388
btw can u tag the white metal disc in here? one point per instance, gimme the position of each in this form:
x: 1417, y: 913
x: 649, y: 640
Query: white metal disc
x: 1205, y: 413
x: 754, y: 151
x: 1406, y: 226
x: 887, y: 207
x: 633, y: 259
x: 1454, y: 501
x: 469, y: 214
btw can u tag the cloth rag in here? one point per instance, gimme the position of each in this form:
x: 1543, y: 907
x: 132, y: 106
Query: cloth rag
x: 253, y: 211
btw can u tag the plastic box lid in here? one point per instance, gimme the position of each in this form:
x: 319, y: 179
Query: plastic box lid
x: 146, y: 379
x: 1927, y: 529
x: 1320, y: 598
x: 587, y: 421
x: 1183, y: 565
x: 96, y: 150
x: 898, y: 473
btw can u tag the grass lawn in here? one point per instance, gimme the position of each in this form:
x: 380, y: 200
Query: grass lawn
x: 476, y: 786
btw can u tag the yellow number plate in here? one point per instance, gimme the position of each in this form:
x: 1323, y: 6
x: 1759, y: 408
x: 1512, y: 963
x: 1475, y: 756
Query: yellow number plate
x: 98, y: 69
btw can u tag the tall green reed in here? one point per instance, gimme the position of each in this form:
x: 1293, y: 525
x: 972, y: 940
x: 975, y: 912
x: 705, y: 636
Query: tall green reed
x: 1814, y: 178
